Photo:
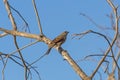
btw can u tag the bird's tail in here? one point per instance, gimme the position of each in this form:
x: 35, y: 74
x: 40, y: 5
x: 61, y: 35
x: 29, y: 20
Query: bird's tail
x: 48, y: 51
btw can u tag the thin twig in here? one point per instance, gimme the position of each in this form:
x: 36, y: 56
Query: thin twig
x: 97, y: 55
x: 25, y: 67
x: 2, y: 58
x: 24, y: 47
x: 117, y: 58
x: 112, y: 21
x: 37, y: 59
x: 21, y: 17
x: 37, y: 16
x: 29, y: 65
x: 3, y: 77
x: 93, y: 22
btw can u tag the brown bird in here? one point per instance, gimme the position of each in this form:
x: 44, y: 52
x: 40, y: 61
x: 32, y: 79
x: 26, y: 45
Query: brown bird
x: 59, y: 40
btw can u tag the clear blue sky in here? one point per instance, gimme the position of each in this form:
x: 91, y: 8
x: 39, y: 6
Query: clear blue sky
x: 56, y: 16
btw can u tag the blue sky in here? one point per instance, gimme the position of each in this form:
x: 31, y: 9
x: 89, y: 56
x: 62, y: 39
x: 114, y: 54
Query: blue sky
x: 56, y: 16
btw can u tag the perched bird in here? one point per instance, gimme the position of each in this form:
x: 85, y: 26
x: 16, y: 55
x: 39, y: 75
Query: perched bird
x: 59, y: 40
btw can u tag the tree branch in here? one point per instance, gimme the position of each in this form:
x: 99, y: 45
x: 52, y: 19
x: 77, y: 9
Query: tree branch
x: 37, y: 16
x: 73, y: 64
x: 114, y: 39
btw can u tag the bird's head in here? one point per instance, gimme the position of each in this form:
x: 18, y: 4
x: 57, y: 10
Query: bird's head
x: 66, y: 32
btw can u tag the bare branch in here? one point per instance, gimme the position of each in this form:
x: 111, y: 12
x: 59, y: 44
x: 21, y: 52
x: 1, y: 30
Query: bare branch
x: 25, y: 66
x: 77, y: 69
x: 3, y: 77
x: 92, y: 21
x: 29, y: 66
x: 22, y: 34
x: 3, y: 34
x: 15, y: 41
x: 26, y: 24
x: 114, y: 64
x: 111, y: 76
x: 10, y: 14
x: 114, y: 39
x: 110, y: 46
x: 3, y: 55
x: 112, y: 21
x: 23, y: 47
x: 37, y: 16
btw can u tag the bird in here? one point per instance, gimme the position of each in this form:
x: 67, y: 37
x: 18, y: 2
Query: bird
x: 59, y: 40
